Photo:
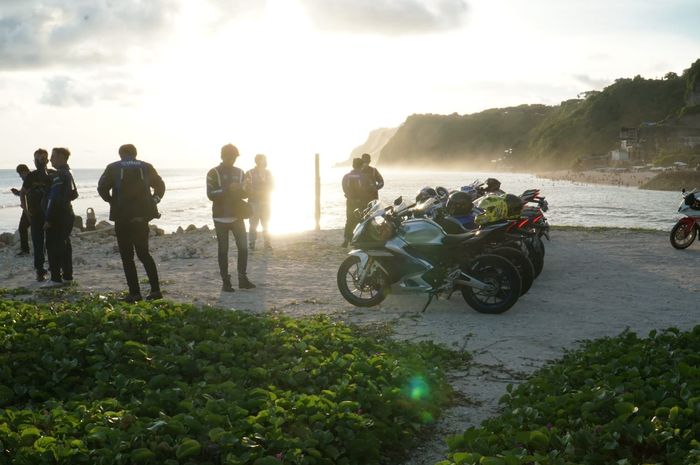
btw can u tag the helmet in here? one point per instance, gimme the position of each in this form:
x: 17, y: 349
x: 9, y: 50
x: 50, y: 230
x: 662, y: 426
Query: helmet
x: 459, y: 203
x: 441, y: 192
x: 494, y: 207
x: 492, y: 185
x: 425, y: 194
x: 469, y: 190
x: 514, y: 203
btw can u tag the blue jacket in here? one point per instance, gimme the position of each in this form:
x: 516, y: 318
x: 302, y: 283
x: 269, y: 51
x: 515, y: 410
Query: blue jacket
x: 61, y: 193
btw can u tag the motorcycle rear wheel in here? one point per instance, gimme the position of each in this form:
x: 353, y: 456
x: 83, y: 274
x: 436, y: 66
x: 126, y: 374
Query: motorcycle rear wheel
x: 499, y: 272
x: 521, y: 262
x: 369, y: 295
x: 681, y: 238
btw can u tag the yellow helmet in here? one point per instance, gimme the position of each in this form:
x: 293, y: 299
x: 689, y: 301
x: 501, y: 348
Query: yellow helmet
x: 494, y: 208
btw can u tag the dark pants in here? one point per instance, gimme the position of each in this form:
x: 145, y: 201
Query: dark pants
x: 351, y: 219
x: 24, y: 232
x: 239, y: 234
x: 133, y: 236
x: 59, y: 248
x: 261, y: 215
x: 38, y: 244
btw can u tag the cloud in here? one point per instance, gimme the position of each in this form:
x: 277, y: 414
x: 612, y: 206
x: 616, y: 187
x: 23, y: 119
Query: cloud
x: 591, y: 82
x: 386, y: 17
x: 38, y: 33
x: 64, y: 91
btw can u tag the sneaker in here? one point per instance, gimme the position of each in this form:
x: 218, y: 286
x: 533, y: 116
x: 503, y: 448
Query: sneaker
x: 154, y: 295
x: 132, y: 298
x: 23, y: 253
x: 244, y: 283
x: 41, y: 276
x: 227, y: 287
x: 51, y: 284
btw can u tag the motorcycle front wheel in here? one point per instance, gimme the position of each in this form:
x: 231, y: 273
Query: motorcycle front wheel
x: 502, y: 275
x: 682, y: 235
x: 371, y: 293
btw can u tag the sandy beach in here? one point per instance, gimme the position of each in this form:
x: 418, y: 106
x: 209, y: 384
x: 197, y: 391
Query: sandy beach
x: 598, y: 177
x: 595, y: 283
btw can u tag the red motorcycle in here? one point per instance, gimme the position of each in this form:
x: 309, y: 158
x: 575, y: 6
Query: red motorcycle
x: 686, y: 229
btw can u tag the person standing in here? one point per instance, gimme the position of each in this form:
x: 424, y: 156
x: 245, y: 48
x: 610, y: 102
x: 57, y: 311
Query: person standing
x: 358, y: 193
x: 227, y: 188
x: 376, y: 179
x: 261, y: 185
x: 23, y: 171
x: 34, y: 191
x: 126, y: 185
x: 59, y: 218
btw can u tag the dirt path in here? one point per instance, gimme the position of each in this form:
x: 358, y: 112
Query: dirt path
x: 594, y: 284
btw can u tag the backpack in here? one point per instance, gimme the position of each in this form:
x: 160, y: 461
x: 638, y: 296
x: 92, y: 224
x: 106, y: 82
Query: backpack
x: 132, y: 191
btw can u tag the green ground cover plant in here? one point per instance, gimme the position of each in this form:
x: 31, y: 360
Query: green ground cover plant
x: 622, y: 400
x: 100, y: 382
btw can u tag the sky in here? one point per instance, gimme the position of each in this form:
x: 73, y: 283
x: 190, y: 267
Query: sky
x: 290, y: 78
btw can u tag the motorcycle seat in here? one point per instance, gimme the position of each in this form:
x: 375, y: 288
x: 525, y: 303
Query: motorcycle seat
x: 453, y: 239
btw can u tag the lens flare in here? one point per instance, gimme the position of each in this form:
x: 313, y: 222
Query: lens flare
x: 418, y: 388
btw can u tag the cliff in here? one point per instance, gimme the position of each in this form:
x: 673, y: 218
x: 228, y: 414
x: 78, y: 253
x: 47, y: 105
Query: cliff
x: 375, y: 142
x: 542, y: 136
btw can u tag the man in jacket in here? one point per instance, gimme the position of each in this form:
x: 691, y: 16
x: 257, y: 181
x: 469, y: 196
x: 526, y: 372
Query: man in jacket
x: 376, y: 179
x: 358, y: 193
x: 226, y: 188
x: 59, y: 218
x: 23, y: 171
x: 261, y: 185
x: 126, y: 185
x: 34, y: 191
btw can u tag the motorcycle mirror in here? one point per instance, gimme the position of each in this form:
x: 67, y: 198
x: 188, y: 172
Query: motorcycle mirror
x: 398, y: 201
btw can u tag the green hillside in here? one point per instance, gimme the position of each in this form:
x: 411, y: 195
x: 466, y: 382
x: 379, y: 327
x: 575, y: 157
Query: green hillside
x: 552, y: 136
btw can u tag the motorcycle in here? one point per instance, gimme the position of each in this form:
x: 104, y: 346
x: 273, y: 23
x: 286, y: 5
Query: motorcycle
x: 395, y: 254
x: 686, y: 229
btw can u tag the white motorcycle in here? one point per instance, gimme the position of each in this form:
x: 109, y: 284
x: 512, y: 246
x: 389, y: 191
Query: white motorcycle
x: 686, y: 229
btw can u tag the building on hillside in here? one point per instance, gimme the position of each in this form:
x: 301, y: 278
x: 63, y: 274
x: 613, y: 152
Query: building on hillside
x: 619, y: 155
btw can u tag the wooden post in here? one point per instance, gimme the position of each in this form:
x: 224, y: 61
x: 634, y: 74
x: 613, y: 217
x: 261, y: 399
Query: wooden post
x: 318, y: 193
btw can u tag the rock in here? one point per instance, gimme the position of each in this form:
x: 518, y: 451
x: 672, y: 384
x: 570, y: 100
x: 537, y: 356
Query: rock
x: 204, y: 228
x: 179, y: 230
x: 191, y: 228
x: 7, y: 238
x: 78, y: 223
x: 185, y: 251
x: 155, y: 230
x: 103, y: 225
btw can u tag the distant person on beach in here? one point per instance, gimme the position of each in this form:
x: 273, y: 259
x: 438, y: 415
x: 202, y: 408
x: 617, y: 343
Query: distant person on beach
x: 359, y: 191
x: 34, y: 196
x: 376, y: 179
x: 59, y: 218
x: 23, y: 171
x: 227, y: 188
x: 126, y: 185
x: 261, y: 185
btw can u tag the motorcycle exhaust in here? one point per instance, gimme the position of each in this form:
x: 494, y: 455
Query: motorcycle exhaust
x: 471, y: 282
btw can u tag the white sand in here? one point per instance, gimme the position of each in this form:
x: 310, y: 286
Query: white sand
x: 594, y: 284
x: 597, y: 177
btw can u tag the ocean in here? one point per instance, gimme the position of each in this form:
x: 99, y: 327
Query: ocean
x: 185, y: 200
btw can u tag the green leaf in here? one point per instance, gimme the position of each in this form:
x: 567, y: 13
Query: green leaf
x: 188, y: 448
